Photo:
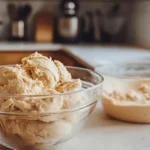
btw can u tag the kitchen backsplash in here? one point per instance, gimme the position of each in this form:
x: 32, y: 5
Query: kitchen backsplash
x: 133, y: 19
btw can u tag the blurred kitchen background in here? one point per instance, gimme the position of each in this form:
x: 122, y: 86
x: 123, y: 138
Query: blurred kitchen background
x: 76, y: 22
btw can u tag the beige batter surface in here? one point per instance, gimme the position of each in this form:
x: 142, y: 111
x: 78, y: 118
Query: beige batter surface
x: 127, y: 99
x: 39, y: 75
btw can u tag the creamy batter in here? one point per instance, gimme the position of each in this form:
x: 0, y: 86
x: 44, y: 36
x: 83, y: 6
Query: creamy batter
x: 127, y: 99
x: 39, y: 75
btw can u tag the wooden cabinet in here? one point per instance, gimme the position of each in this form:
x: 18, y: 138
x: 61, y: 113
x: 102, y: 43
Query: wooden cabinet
x: 14, y: 57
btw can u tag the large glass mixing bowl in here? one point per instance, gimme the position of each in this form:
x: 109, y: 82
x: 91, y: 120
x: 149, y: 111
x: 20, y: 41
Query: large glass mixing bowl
x: 43, y: 131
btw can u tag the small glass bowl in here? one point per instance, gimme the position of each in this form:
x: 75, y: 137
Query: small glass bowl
x: 121, y: 76
x: 43, y: 131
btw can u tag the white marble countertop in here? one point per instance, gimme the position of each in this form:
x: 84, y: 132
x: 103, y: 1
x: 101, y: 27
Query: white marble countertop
x: 96, y: 55
x: 92, y: 54
x: 102, y: 132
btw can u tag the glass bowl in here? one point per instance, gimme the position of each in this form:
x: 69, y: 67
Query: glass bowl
x: 43, y: 131
x: 123, y: 95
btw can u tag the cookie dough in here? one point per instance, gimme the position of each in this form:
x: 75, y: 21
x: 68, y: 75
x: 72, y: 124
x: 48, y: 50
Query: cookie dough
x: 39, y: 75
x: 127, y: 99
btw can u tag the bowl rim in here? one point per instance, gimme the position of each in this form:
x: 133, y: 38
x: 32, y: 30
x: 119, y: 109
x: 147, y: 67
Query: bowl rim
x: 54, y: 95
